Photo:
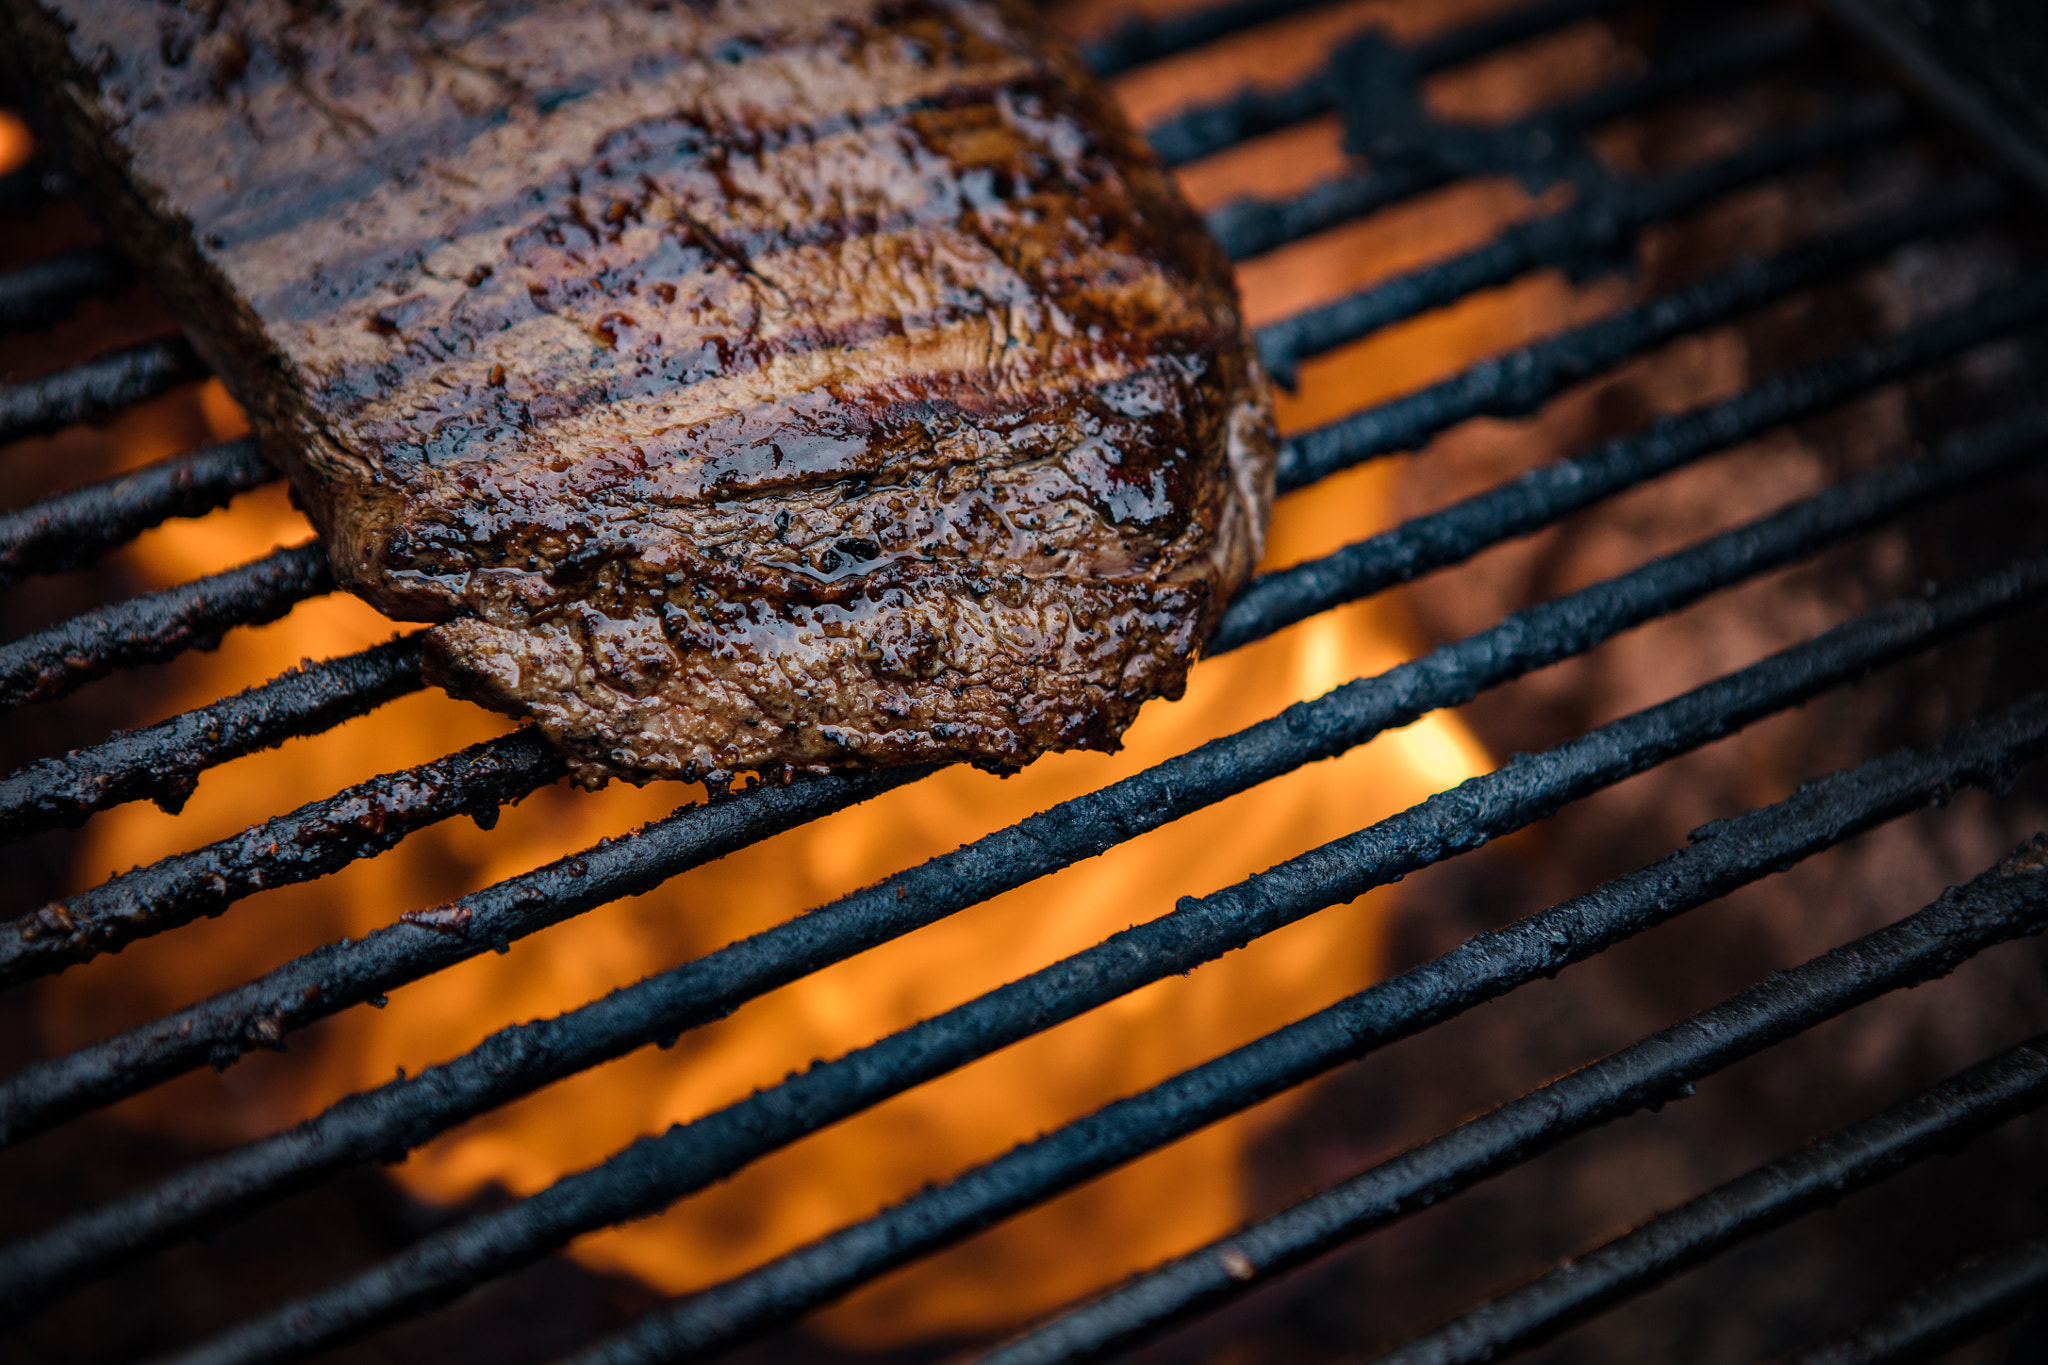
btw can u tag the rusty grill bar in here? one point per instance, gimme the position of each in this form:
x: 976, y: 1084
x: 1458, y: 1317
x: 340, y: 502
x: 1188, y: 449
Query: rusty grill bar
x: 1409, y: 153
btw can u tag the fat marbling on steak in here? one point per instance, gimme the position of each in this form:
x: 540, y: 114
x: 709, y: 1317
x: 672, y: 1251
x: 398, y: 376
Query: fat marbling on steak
x: 807, y: 383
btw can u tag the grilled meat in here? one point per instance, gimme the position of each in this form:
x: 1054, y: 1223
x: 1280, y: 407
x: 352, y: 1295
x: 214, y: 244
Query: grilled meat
x: 811, y: 383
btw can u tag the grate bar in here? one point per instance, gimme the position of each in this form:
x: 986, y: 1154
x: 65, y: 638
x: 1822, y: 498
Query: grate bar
x: 2009, y: 901
x: 522, y: 1058
x: 41, y: 293
x: 1529, y: 146
x: 1594, y: 231
x: 96, y: 389
x: 317, y: 838
x: 1521, y: 381
x: 73, y: 529
x: 257, y: 1015
x: 1135, y: 41
x: 1958, y: 1307
x: 1211, y: 128
x: 655, y: 1171
x: 164, y: 761
x: 160, y: 625
x: 1940, y: 1118
x: 1551, y: 492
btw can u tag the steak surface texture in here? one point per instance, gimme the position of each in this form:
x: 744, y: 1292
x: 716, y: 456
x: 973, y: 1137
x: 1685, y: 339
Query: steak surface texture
x: 739, y: 386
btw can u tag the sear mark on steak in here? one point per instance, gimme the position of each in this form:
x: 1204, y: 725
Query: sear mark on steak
x: 810, y: 384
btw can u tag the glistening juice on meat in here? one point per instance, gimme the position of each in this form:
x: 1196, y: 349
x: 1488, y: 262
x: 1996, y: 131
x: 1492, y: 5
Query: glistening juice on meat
x: 744, y: 386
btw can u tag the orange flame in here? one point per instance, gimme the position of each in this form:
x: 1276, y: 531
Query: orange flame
x: 16, y: 143
x: 1178, y: 1197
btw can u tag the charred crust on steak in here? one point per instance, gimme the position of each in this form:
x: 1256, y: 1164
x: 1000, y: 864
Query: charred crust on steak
x: 738, y: 386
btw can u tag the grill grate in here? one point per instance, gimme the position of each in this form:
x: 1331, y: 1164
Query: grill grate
x: 1373, y: 84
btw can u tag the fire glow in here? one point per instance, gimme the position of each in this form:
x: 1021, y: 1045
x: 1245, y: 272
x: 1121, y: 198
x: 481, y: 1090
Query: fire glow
x: 1185, y: 1194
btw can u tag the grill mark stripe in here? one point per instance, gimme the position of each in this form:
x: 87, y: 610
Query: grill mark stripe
x: 1102, y: 282
x: 299, y: 205
x: 480, y: 230
x: 603, y: 466
x: 760, y: 377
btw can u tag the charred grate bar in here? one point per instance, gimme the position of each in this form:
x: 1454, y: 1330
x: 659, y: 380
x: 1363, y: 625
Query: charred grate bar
x: 2009, y: 901
x: 328, y: 979
x: 1367, y: 59
x: 310, y: 842
x: 1549, y: 493
x: 95, y: 390
x: 258, y: 1015
x: 1520, y: 382
x: 73, y: 529
x: 160, y: 625
x: 1959, y: 1307
x: 1409, y: 152
x: 656, y: 1171
x: 1601, y: 228
x: 162, y: 762
x: 518, y: 1060
x: 48, y: 290
x: 1939, y: 1118
x: 1417, y: 153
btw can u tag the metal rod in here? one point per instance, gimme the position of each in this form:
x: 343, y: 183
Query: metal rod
x: 260, y: 1013
x: 1250, y: 226
x: 163, y: 761
x: 522, y: 1058
x: 1508, y: 26
x: 73, y: 529
x: 1960, y: 1306
x: 98, y: 388
x: 1135, y: 41
x: 1598, y: 228
x: 1547, y: 494
x: 1521, y: 381
x: 1247, y: 113
x: 2009, y: 901
x: 1940, y: 1118
x: 160, y: 625
x: 43, y: 291
x: 359, y: 822
x: 655, y: 1171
